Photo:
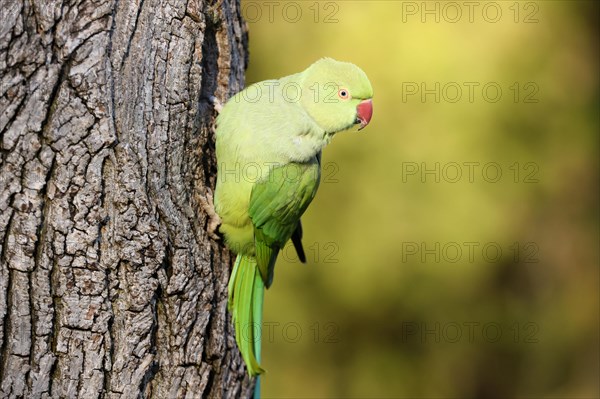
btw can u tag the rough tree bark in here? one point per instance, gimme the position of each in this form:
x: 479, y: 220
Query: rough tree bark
x: 109, y: 284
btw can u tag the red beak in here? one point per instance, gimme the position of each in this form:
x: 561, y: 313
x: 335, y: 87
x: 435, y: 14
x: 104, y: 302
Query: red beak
x: 364, y: 112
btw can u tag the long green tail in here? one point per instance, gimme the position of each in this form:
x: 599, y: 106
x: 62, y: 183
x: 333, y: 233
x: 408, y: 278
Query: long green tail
x: 246, y: 293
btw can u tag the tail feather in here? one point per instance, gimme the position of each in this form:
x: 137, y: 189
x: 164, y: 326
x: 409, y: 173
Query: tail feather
x: 230, y: 285
x: 246, y: 293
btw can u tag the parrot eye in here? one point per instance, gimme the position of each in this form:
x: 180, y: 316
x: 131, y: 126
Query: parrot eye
x: 343, y: 94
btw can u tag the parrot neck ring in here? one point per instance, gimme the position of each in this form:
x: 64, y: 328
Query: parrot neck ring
x: 364, y: 112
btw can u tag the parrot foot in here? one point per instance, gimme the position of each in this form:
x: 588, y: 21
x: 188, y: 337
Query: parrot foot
x: 216, y: 103
x: 214, y: 221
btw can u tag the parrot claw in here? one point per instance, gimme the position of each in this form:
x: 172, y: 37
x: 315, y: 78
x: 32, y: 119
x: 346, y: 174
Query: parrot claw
x: 216, y: 103
x: 214, y: 221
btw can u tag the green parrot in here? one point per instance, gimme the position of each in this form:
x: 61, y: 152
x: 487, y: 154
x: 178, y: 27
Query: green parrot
x: 269, y: 139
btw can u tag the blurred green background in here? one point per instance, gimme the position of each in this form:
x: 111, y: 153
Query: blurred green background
x: 453, y: 243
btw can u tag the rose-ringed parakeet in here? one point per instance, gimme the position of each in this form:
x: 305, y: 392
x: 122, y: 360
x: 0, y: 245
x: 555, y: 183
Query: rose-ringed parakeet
x: 269, y: 139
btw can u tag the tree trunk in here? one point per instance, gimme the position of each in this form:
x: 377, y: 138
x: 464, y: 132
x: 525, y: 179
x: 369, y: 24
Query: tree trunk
x: 109, y: 283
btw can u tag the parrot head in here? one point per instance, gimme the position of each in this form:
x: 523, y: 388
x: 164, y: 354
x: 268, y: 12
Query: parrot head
x: 337, y: 95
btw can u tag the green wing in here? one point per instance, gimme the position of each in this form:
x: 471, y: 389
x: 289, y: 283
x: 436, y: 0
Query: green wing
x: 276, y: 205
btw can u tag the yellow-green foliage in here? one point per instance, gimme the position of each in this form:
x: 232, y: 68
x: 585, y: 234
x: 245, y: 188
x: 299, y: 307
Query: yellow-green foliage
x: 368, y: 316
